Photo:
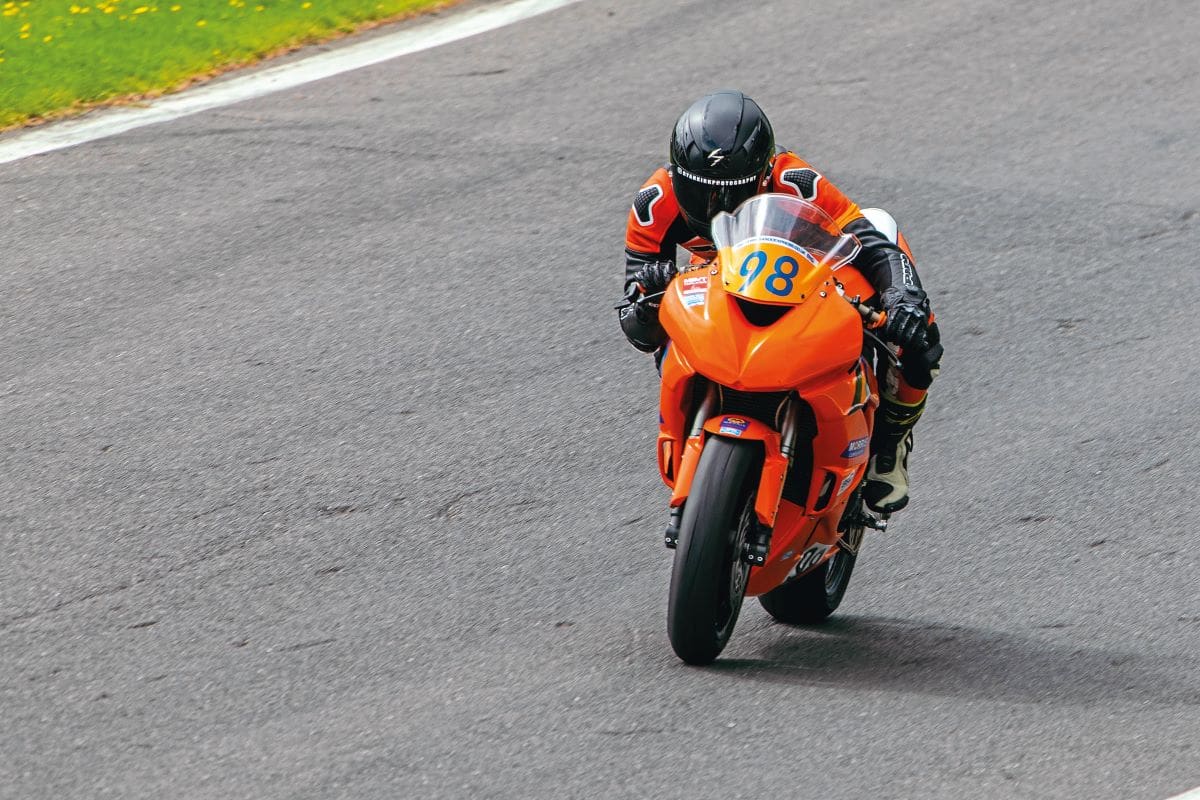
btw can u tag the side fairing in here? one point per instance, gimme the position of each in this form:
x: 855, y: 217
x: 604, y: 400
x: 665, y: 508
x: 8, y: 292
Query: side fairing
x: 674, y: 405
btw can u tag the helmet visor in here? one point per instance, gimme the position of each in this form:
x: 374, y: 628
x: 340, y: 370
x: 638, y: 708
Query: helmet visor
x: 702, y: 198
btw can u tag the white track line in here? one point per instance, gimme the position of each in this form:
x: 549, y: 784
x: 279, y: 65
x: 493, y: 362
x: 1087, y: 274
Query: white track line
x: 1194, y: 794
x: 273, y: 79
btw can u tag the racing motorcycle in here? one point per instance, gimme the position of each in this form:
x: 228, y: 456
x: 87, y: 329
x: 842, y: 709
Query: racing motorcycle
x: 766, y: 410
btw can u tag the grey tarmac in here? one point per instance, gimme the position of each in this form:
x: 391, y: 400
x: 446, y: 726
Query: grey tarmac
x: 327, y: 472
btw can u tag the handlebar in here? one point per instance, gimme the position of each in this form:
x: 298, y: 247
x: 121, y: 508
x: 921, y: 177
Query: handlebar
x: 637, y: 301
x: 872, y: 320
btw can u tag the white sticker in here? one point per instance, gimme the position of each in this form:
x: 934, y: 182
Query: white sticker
x: 812, y: 556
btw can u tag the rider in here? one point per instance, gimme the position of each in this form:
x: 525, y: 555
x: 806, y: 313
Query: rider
x: 723, y: 152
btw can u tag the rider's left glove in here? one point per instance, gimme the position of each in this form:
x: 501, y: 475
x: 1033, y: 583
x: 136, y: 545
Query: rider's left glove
x: 908, y: 317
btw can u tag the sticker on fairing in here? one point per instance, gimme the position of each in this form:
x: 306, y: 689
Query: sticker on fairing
x: 733, y: 426
x: 695, y: 289
x: 812, y: 556
x: 856, y: 447
x: 846, y: 481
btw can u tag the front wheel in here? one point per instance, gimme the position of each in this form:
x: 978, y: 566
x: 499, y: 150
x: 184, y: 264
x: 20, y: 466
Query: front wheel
x: 708, y: 579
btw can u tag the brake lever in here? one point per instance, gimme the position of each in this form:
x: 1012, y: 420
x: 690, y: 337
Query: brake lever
x: 641, y: 299
x: 872, y: 321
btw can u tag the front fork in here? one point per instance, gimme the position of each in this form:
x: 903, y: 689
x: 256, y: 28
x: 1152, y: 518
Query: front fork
x: 758, y: 541
x: 707, y: 405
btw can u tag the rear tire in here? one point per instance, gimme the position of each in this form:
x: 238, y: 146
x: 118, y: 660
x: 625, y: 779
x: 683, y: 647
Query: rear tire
x: 810, y: 598
x: 708, y: 579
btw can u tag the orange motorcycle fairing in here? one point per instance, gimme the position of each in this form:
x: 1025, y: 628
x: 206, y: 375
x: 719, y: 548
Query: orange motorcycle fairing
x: 842, y: 398
x: 843, y: 406
x: 714, y: 331
x: 804, y: 535
x: 675, y: 404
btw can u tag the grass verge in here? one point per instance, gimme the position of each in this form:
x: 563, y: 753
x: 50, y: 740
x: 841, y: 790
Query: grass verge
x: 59, y: 57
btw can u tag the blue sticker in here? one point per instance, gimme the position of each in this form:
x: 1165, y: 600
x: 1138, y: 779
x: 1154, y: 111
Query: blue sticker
x: 856, y: 447
x: 734, y: 426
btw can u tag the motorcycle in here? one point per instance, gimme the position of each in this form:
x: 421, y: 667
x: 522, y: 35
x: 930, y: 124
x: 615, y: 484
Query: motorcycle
x: 766, y: 409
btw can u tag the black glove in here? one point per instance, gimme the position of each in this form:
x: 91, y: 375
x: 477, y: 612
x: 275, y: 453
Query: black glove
x: 655, y: 277
x: 908, y: 317
x: 921, y: 366
x: 639, y: 321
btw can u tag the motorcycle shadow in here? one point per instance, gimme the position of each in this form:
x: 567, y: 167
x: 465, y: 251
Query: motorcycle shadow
x: 882, y: 653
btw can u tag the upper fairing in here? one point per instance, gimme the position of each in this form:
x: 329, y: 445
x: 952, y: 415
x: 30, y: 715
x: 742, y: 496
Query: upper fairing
x: 712, y: 334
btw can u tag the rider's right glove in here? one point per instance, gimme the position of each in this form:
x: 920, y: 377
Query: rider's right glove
x: 639, y: 318
x: 907, y: 317
x: 655, y: 277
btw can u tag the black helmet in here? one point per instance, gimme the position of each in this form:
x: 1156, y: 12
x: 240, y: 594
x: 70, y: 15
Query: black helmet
x: 720, y: 153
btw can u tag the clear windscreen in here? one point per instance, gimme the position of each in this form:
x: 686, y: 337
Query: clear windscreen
x: 783, y: 216
x: 775, y: 248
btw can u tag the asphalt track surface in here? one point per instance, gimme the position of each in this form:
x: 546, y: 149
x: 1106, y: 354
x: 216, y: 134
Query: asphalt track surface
x: 327, y: 473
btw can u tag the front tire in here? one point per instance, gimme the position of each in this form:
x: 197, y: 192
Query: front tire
x: 708, y: 579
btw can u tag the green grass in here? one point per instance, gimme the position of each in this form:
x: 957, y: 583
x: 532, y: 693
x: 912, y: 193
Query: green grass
x: 58, y: 56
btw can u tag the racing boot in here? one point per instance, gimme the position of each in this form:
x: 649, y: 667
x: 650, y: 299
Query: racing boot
x: 886, y: 490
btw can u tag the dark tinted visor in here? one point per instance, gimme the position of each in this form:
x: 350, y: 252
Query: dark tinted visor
x: 702, y: 198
